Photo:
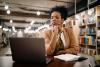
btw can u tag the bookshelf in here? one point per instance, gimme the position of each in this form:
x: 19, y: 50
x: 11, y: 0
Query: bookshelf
x: 98, y: 28
x: 88, y: 23
x: 89, y: 36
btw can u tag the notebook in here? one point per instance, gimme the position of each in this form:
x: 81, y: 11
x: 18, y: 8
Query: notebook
x: 28, y: 50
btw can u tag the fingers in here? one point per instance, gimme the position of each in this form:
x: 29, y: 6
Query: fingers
x: 55, y: 29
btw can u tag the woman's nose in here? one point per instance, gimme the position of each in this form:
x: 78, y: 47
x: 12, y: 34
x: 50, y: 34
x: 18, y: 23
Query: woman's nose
x: 53, y: 19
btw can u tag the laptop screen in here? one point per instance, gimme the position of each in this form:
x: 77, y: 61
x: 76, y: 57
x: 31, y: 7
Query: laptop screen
x: 28, y: 49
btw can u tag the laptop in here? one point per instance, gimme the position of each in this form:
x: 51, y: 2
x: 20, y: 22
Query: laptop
x: 28, y: 50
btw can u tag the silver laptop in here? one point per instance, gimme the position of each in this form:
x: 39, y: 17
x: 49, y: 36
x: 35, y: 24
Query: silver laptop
x: 28, y: 50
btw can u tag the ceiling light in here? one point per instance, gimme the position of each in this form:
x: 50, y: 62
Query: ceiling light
x: 6, y: 7
x: 32, y: 22
x: 0, y: 26
x: 5, y: 29
x: 13, y: 28
x: 38, y: 13
x: 8, y: 11
x: 11, y: 21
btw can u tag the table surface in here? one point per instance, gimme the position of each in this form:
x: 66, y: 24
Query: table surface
x: 6, y: 61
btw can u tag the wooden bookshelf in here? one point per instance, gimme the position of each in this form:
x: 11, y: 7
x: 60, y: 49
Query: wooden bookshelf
x: 88, y: 40
x: 89, y: 31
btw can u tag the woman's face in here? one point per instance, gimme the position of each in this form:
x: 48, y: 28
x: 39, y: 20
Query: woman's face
x: 56, y: 19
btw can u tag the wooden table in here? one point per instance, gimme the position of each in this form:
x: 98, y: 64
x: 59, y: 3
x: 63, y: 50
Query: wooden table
x: 6, y: 61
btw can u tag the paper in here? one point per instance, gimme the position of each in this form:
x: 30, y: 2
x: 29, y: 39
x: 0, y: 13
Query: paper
x: 67, y: 57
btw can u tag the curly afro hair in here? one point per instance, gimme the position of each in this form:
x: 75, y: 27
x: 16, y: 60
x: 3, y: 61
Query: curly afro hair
x: 61, y: 9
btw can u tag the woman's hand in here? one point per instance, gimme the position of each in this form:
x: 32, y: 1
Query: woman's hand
x: 55, y: 30
x: 61, y: 52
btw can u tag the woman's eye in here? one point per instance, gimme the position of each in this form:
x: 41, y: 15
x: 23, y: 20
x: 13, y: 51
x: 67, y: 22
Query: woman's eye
x: 57, y: 17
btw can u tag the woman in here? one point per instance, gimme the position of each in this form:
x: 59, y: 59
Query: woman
x: 59, y: 40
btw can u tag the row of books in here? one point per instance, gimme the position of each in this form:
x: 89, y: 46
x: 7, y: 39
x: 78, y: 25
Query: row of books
x: 91, y: 19
x: 82, y: 31
x: 88, y: 51
x: 88, y: 31
x: 91, y: 30
x: 87, y: 40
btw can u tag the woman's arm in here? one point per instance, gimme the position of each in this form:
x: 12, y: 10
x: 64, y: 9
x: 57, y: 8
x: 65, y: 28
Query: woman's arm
x: 74, y: 46
x: 50, y: 42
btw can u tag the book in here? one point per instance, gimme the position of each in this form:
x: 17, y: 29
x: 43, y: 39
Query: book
x: 67, y: 57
